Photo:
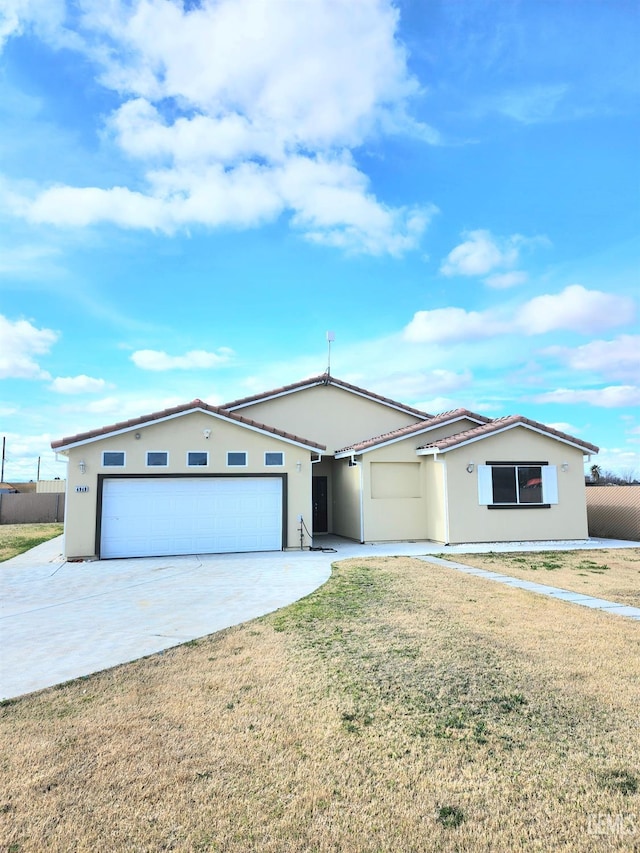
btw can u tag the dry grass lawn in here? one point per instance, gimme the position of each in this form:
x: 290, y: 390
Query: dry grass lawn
x: 613, y: 574
x: 402, y: 707
x: 17, y: 538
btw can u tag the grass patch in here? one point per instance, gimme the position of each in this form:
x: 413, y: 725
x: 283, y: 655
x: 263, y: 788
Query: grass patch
x: 612, y: 574
x: 402, y: 706
x: 17, y: 538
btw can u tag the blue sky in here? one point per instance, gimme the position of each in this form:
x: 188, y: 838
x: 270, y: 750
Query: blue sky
x: 192, y: 194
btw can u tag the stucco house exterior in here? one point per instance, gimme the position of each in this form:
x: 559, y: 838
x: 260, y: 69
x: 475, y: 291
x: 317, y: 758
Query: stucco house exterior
x: 271, y: 471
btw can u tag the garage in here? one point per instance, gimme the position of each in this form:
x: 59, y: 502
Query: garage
x: 164, y: 515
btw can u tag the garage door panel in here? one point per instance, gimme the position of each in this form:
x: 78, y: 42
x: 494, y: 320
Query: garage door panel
x: 163, y: 516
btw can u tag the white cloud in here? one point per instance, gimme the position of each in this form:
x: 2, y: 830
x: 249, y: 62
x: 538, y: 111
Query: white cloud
x: 614, y: 396
x: 149, y: 359
x: 532, y: 105
x: 417, y: 384
x: 575, y: 309
x: 450, y: 325
x: 480, y: 253
x: 241, y: 110
x: 563, y: 426
x: 502, y: 281
x: 78, y: 385
x: 20, y: 342
x: 616, y: 359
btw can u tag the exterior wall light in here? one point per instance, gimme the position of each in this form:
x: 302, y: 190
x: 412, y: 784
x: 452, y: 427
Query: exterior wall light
x: 206, y: 433
x: 82, y: 465
x: 565, y: 466
x: 470, y: 467
x: 298, y: 467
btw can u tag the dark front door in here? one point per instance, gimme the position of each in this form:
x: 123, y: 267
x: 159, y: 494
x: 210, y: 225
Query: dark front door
x: 319, y: 497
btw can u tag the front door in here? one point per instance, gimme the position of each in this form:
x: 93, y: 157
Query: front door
x: 319, y: 497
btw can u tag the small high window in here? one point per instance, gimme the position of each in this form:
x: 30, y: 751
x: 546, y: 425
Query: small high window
x: 273, y: 457
x: 237, y: 459
x: 197, y: 459
x: 157, y: 458
x: 113, y: 458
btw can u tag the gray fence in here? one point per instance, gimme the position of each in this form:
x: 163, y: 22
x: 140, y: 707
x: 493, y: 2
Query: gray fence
x: 613, y: 512
x: 30, y: 508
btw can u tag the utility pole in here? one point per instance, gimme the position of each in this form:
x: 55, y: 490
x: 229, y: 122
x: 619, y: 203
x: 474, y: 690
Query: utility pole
x: 4, y: 442
x: 38, y: 474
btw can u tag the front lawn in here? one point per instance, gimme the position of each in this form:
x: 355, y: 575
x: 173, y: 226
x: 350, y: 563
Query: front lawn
x: 17, y: 538
x: 402, y: 707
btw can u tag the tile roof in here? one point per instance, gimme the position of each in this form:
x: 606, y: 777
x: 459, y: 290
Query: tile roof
x: 178, y: 410
x: 422, y: 426
x: 499, y: 424
x: 323, y: 379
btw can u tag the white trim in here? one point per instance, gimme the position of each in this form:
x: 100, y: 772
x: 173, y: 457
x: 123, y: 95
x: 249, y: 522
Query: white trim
x: 142, y: 425
x: 191, y: 465
x: 447, y: 533
x: 428, y: 451
x: 350, y: 452
x: 361, y: 474
x: 549, y: 474
x: 244, y: 464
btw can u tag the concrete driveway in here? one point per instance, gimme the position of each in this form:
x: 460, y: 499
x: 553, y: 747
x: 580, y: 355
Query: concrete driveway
x: 61, y: 620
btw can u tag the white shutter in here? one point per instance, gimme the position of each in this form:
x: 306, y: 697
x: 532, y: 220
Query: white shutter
x: 485, y: 485
x: 549, y: 484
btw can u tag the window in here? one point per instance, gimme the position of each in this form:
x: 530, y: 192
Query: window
x: 237, y: 459
x: 157, y: 458
x: 512, y: 484
x: 113, y: 458
x: 274, y: 458
x: 197, y: 459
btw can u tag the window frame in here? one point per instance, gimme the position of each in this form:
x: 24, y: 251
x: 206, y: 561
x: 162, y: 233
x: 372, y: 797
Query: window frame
x: 204, y: 464
x: 279, y: 453
x: 106, y: 464
x: 244, y: 464
x: 548, y: 477
x: 148, y: 464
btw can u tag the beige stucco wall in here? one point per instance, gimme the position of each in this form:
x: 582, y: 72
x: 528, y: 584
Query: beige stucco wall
x: 436, y: 522
x: 471, y: 522
x: 346, y: 500
x: 178, y: 436
x: 328, y: 415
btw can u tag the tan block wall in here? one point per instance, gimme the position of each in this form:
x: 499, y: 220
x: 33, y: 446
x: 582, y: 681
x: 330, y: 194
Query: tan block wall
x: 178, y: 436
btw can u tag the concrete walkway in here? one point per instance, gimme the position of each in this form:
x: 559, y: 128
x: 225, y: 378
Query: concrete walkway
x: 62, y: 620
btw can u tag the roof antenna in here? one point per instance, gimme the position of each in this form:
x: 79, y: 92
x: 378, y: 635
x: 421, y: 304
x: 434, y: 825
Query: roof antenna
x: 331, y: 336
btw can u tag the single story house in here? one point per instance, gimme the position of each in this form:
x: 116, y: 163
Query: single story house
x: 270, y: 471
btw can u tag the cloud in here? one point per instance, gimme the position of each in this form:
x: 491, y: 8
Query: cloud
x: 575, y: 309
x: 502, y: 281
x: 20, y: 341
x: 611, y: 397
x: 417, y: 384
x: 531, y: 105
x: 239, y: 111
x: 480, y: 253
x: 616, y: 359
x: 78, y: 385
x: 450, y: 325
x: 149, y: 359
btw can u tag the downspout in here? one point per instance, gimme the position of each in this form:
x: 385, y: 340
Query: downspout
x: 361, y: 502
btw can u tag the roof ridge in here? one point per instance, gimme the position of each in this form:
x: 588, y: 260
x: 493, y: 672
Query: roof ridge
x: 323, y: 379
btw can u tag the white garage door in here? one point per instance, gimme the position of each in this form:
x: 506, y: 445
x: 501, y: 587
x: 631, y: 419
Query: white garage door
x: 153, y: 517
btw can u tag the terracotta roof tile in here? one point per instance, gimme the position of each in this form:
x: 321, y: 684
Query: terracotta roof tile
x: 402, y: 432
x: 323, y: 379
x: 500, y: 423
x: 177, y: 410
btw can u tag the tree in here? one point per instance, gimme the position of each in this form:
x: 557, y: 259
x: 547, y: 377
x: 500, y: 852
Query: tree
x: 595, y: 473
